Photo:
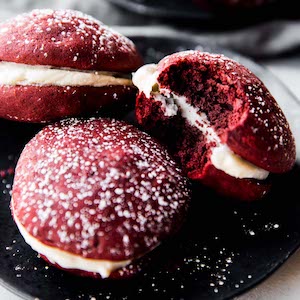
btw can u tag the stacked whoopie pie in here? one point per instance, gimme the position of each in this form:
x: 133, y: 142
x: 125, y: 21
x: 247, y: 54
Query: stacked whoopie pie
x: 62, y: 63
x: 94, y: 195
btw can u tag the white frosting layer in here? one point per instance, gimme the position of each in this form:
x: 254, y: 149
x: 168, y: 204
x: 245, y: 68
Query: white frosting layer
x: 169, y: 105
x: 222, y: 157
x: 145, y: 78
x: 71, y: 261
x: 22, y: 74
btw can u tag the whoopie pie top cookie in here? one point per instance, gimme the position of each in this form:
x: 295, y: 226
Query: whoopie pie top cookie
x: 96, y: 194
x: 218, y: 119
x: 57, y: 63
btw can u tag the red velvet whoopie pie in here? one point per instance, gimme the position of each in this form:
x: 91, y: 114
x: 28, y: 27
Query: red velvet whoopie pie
x: 218, y: 120
x: 93, y: 196
x: 59, y: 63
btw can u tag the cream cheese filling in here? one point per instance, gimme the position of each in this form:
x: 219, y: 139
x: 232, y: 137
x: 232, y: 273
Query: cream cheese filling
x: 71, y: 261
x: 145, y: 78
x: 22, y: 74
x: 222, y: 157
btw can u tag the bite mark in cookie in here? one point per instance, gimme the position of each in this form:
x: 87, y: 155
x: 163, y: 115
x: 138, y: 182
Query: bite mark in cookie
x: 210, y: 110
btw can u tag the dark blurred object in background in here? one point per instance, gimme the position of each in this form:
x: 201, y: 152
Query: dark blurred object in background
x: 220, y: 5
x: 216, y: 14
x: 242, y: 3
x: 258, y: 28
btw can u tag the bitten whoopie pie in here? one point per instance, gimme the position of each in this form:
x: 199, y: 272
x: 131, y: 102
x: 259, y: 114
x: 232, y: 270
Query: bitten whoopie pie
x: 58, y: 63
x: 218, y: 120
x: 92, y: 196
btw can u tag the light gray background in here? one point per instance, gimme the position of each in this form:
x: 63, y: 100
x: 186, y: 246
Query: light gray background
x: 284, y: 284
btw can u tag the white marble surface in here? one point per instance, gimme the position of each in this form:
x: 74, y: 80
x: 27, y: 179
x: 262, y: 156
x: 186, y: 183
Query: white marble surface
x: 284, y: 284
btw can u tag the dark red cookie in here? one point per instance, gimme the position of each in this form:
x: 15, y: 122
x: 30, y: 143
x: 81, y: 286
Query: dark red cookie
x: 98, y: 189
x: 218, y: 120
x: 54, y: 41
x: 44, y: 103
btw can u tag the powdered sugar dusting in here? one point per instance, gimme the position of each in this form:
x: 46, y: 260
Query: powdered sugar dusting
x: 76, y: 38
x: 272, y: 120
x: 98, y: 188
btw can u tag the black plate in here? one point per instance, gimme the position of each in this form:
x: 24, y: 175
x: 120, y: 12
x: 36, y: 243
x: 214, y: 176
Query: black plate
x: 224, y: 248
x: 188, y: 10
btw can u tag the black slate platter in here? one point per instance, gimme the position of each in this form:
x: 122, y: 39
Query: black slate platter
x: 223, y: 249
